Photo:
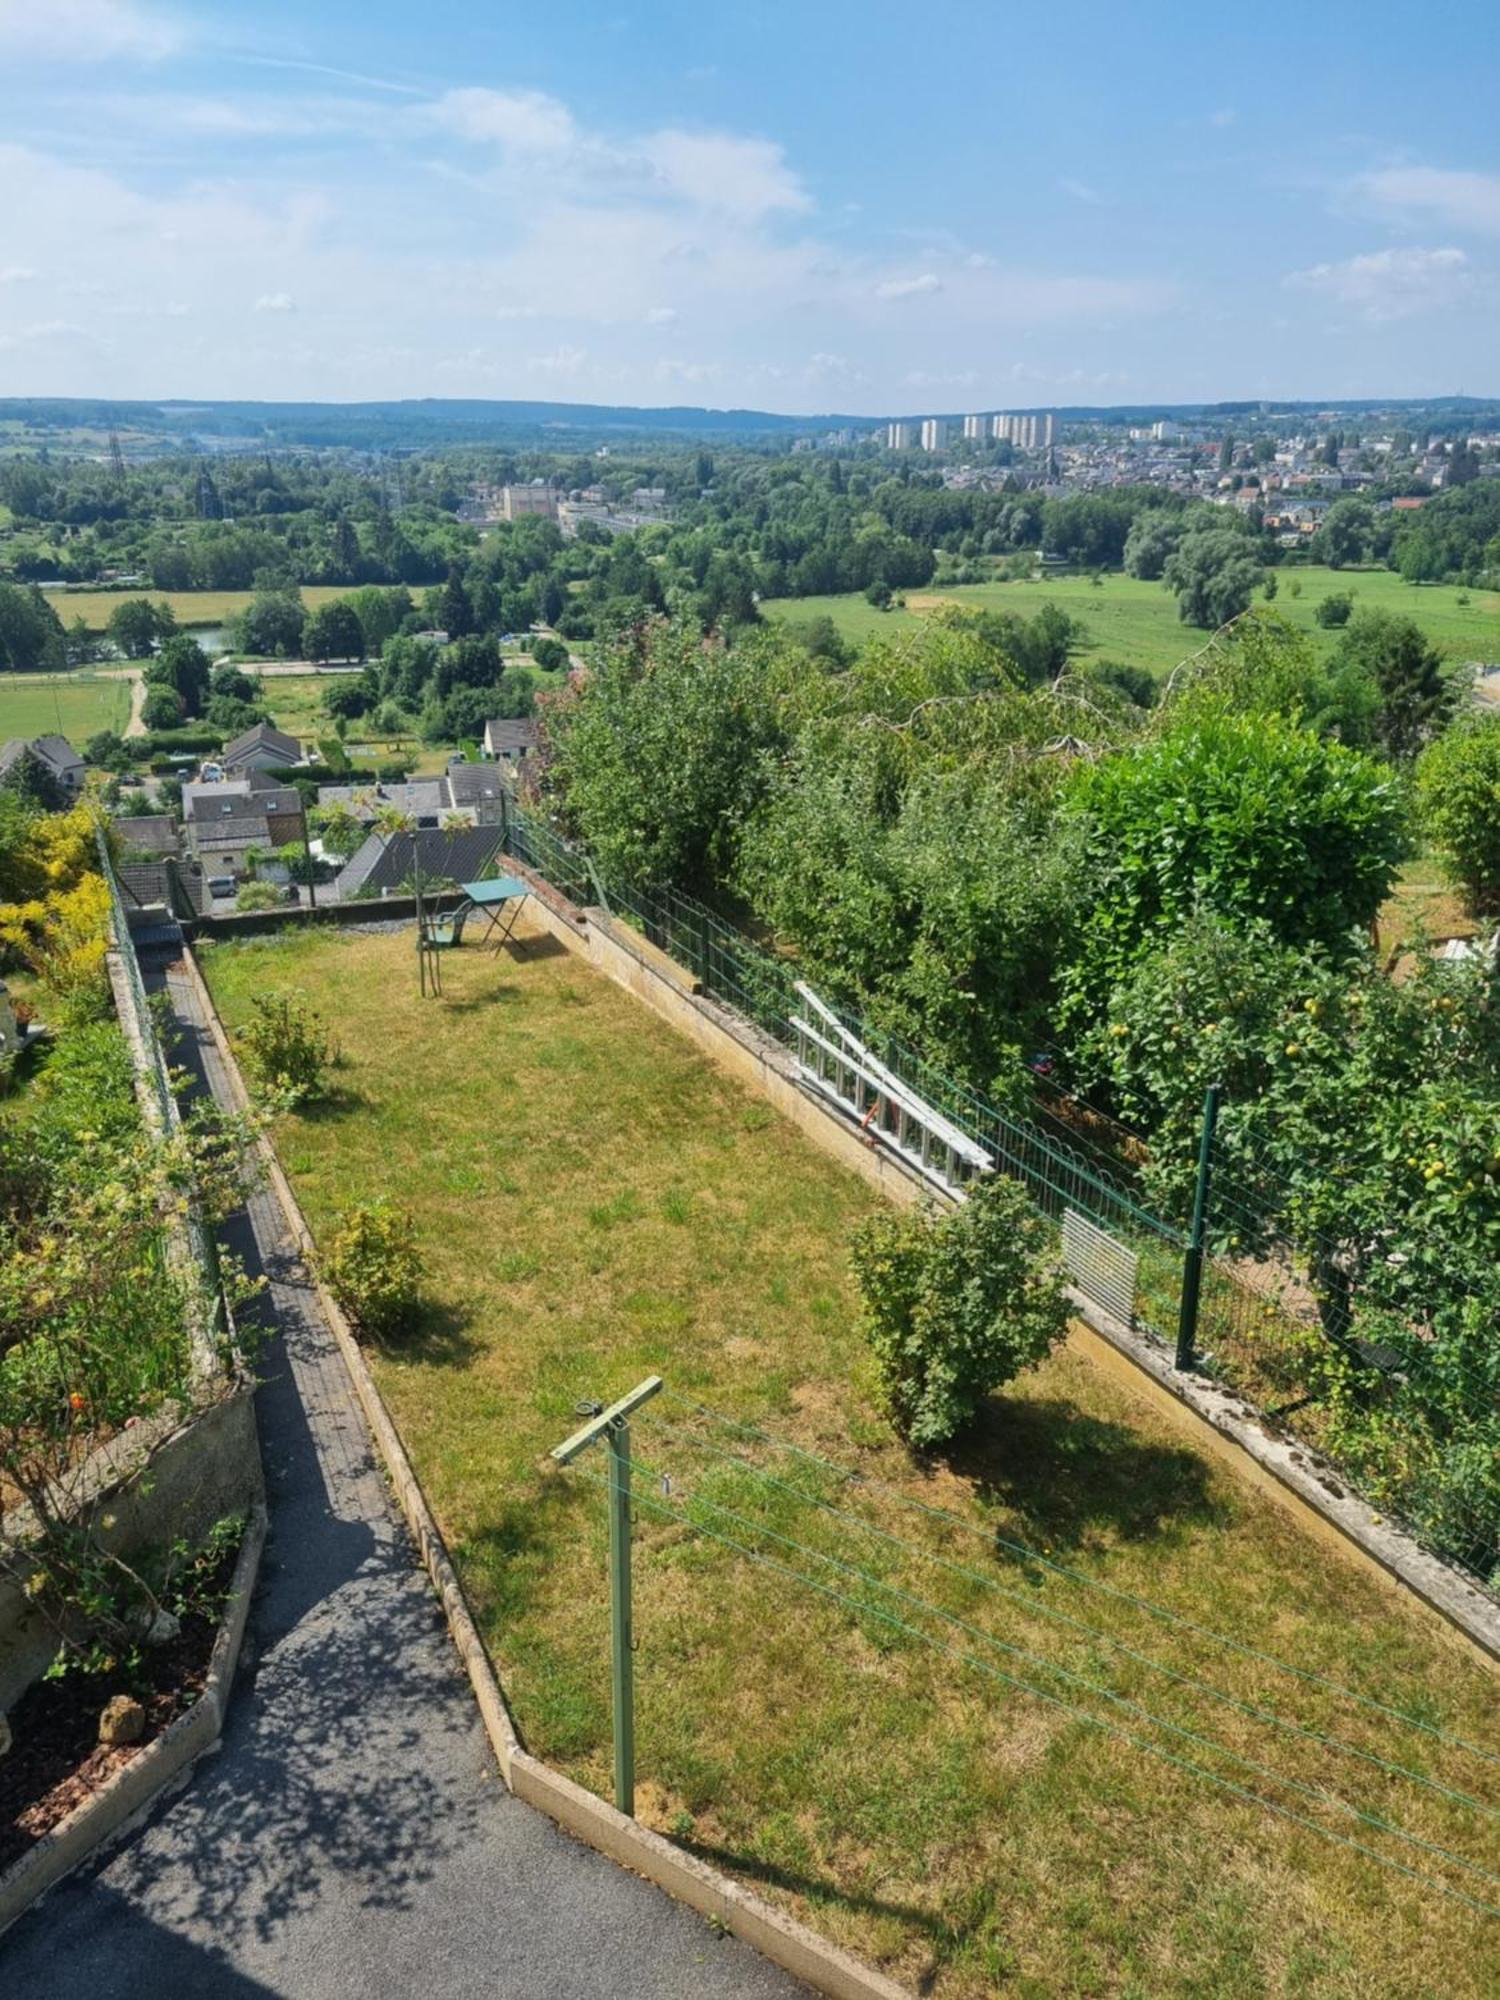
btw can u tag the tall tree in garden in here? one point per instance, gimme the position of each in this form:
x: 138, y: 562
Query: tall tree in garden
x: 1214, y: 572
x: 455, y: 612
x: 1417, y: 694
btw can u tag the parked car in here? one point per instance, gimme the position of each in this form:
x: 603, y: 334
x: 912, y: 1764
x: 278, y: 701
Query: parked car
x: 222, y: 885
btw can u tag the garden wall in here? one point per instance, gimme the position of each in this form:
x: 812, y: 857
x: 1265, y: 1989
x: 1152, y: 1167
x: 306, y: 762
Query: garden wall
x: 162, y: 1481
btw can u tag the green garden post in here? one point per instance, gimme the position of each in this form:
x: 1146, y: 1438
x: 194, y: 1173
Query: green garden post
x: 1192, y: 1263
x: 621, y: 1640
x: 613, y: 1425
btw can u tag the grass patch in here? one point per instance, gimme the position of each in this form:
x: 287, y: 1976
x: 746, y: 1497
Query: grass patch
x: 189, y: 607
x: 1136, y: 623
x: 73, y: 705
x: 595, y: 1202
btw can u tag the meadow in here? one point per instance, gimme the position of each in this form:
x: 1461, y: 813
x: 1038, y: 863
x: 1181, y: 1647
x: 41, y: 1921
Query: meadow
x: 965, y: 1714
x: 1136, y: 623
x: 73, y: 705
x: 189, y: 607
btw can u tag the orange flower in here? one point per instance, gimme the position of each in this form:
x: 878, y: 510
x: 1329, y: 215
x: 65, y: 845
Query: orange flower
x: 76, y: 1401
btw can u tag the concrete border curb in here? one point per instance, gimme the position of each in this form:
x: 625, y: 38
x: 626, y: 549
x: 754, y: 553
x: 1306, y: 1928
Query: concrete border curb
x: 778, y: 1937
x: 166, y: 1760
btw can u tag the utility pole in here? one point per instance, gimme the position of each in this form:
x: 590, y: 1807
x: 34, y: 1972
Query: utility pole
x: 613, y: 1425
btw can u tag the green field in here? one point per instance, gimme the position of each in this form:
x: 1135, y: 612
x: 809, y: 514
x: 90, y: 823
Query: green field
x: 1137, y: 624
x: 594, y: 1201
x: 71, y: 705
x: 189, y: 607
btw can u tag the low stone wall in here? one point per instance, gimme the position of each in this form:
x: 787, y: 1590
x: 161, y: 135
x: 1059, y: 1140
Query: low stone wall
x: 159, y: 1482
x: 297, y: 916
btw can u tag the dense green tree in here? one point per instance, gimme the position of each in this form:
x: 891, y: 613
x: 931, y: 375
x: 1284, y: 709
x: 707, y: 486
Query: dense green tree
x: 183, y: 666
x: 137, y: 624
x: 1249, y: 817
x: 1214, y: 573
x: 163, y: 707
x: 333, y: 632
x: 1458, y: 799
x: 31, y: 633
x: 1416, y: 692
x: 1345, y: 535
x: 271, y: 626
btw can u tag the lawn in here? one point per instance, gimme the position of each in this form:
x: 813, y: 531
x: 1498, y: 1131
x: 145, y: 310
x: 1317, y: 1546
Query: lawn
x: 1137, y: 624
x: 189, y: 607
x: 595, y: 1202
x: 72, y: 705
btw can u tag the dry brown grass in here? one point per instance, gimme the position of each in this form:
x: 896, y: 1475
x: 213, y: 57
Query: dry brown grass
x: 596, y: 1202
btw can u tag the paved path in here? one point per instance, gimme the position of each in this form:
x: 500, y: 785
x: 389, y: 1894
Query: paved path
x: 352, y: 1837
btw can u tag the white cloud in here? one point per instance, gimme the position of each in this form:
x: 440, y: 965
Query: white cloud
x: 661, y: 316
x: 909, y: 288
x: 1461, y: 200
x: 16, y: 274
x: 86, y: 31
x: 275, y: 302
x: 742, y: 177
x: 522, y: 121
x: 1081, y: 191
x: 1391, y: 284
x: 565, y: 361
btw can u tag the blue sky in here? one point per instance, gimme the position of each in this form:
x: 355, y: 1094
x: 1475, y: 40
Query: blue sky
x: 804, y: 207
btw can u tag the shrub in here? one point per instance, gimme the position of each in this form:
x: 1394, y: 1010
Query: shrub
x: 258, y: 896
x: 1334, y: 609
x: 288, y: 1049
x: 374, y: 1269
x: 1458, y: 792
x: 956, y: 1304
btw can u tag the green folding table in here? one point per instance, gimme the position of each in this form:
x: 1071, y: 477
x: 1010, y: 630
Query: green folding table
x: 501, y: 901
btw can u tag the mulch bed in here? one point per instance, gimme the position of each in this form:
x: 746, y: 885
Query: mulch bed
x: 56, y: 1761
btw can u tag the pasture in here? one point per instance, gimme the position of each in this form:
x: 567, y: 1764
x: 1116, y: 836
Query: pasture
x: 189, y: 607
x: 993, y: 1748
x: 73, y: 705
x: 1136, y: 623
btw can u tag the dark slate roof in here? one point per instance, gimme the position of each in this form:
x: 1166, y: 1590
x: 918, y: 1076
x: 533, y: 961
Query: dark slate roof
x: 473, y: 784
x: 57, y: 752
x: 156, y: 832
x: 244, y: 830
x: 262, y: 737
x: 461, y: 855
x: 505, y: 734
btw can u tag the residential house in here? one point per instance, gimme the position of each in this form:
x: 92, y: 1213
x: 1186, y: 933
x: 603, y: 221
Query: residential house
x: 479, y: 788
x: 386, y: 863
x: 425, y: 801
x: 48, y: 765
x: 225, y: 821
x: 263, y: 748
x: 511, y: 740
x: 154, y: 834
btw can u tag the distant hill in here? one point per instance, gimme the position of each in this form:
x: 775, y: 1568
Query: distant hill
x: 412, y: 425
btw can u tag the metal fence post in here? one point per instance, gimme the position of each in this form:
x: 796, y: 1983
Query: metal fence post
x: 1192, y: 1263
x: 613, y: 1425
x: 621, y: 1637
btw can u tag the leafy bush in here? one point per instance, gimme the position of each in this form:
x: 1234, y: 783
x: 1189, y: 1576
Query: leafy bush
x: 258, y: 896
x: 374, y: 1268
x: 288, y: 1049
x: 956, y: 1304
x: 1334, y: 609
x: 1458, y: 798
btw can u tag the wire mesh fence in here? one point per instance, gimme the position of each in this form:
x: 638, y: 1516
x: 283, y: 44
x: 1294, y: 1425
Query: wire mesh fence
x: 1419, y: 1442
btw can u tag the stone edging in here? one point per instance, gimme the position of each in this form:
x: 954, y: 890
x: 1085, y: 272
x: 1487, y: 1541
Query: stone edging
x: 137, y: 1784
x: 778, y: 1937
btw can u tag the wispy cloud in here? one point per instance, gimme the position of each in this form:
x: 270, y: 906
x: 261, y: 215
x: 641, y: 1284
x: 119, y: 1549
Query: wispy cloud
x: 1081, y: 191
x: 87, y: 31
x: 275, y: 302
x: 1391, y: 284
x: 920, y: 286
x: 1461, y: 200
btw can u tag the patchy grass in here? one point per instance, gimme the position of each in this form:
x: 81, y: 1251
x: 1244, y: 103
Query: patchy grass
x: 189, y: 607
x: 595, y: 1201
x: 1424, y: 904
x: 73, y: 705
x: 1136, y: 623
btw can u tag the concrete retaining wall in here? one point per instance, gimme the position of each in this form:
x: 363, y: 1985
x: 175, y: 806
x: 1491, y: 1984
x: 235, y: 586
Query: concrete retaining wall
x: 163, y: 1481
